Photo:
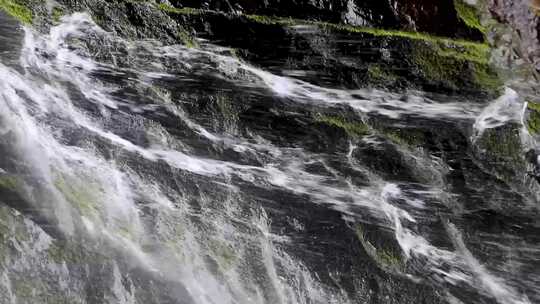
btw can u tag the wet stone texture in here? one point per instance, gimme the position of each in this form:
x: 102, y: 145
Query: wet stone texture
x: 346, y: 125
x: 439, y: 18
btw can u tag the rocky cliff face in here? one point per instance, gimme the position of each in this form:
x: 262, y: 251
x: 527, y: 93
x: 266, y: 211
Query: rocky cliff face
x: 398, y: 59
x: 356, y: 85
x: 440, y: 18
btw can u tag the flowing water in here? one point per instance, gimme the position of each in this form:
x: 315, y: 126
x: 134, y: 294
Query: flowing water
x: 124, y: 195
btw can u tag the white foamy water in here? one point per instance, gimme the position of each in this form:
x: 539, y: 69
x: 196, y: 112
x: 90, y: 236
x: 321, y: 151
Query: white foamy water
x: 507, y: 108
x: 100, y: 196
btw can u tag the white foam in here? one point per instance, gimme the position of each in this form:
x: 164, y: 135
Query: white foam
x: 505, y: 109
x: 107, y: 191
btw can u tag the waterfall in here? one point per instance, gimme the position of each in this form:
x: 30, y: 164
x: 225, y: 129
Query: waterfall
x: 114, y: 192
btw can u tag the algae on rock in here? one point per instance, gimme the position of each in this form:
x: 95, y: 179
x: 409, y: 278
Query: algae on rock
x: 468, y: 15
x: 423, y: 61
x: 18, y: 10
x: 353, y: 128
x: 10, y: 183
x: 387, y: 259
x: 57, y: 14
x: 377, y: 73
x: 533, y: 122
x: 82, y: 197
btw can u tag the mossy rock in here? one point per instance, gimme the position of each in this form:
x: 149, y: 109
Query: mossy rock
x: 84, y: 198
x: 501, y: 152
x: 71, y: 254
x: 9, y: 182
x: 381, y: 74
x: 404, y: 137
x: 457, y: 68
x: 13, y: 191
x: 469, y: 15
x: 223, y: 254
x: 503, y: 143
x: 355, y: 129
x: 386, y: 258
x: 57, y: 14
x: 415, y: 60
x: 171, y: 9
x: 533, y: 121
x: 18, y: 10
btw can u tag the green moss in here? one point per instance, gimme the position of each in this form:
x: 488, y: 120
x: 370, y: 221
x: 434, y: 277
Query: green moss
x: 533, y: 122
x: 272, y: 20
x: 23, y: 289
x: 188, y: 40
x: 14, y: 224
x: 389, y: 258
x: 503, y: 144
x: 445, y: 47
x: 453, y: 62
x: 436, y: 67
x: 375, y: 71
x: 185, y: 11
x: 353, y: 129
x: 533, y: 106
x: 57, y: 14
x: 56, y: 254
x: 463, y: 51
x: 126, y: 232
x: 39, y: 290
x: 21, y: 12
x: 6, y: 227
x: 466, y: 50
x: 386, y: 259
x: 468, y: 15
x: 70, y: 253
x: 379, y: 74
x: 487, y: 78
x: 404, y: 137
x: 9, y: 183
x: 234, y: 52
x: 439, y: 59
x: 457, y: 67
x: 4, y: 223
x: 501, y: 150
x: 81, y: 197
x: 223, y: 254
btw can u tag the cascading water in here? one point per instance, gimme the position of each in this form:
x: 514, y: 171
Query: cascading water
x: 119, y: 195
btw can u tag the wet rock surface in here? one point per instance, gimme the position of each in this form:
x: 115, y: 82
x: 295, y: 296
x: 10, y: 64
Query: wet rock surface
x: 365, y: 124
x: 439, y: 18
